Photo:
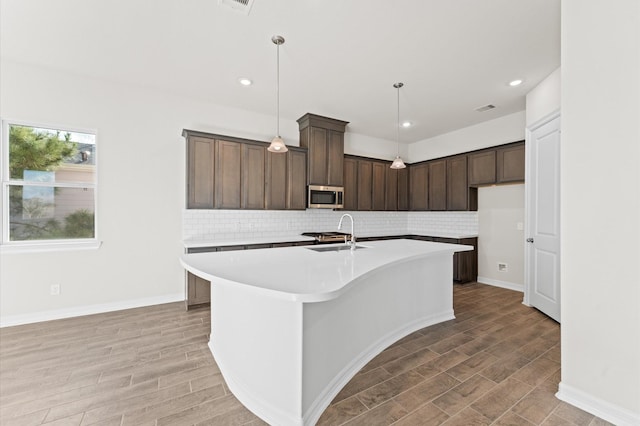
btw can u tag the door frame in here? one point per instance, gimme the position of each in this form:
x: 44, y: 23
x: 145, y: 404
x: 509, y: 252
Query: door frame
x: 528, y: 227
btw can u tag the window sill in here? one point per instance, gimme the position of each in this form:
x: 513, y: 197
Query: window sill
x: 38, y: 247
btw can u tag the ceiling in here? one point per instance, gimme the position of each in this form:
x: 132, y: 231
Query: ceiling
x: 340, y: 58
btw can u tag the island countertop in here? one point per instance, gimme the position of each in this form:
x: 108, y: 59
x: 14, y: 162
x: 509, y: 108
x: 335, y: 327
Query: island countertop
x: 301, y: 274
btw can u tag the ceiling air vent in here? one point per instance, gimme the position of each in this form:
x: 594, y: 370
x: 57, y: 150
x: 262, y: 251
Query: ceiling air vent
x: 242, y: 6
x: 485, y: 108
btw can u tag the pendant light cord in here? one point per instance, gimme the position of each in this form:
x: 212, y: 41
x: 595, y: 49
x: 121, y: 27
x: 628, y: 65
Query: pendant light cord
x: 398, y: 124
x: 278, y: 89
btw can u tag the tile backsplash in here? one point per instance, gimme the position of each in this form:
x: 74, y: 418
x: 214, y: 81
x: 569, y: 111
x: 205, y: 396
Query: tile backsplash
x: 231, y: 224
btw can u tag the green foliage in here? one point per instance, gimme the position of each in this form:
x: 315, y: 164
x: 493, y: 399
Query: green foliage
x: 79, y: 224
x: 31, y: 149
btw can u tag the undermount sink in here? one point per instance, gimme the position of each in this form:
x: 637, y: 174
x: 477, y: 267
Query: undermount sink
x: 334, y: 248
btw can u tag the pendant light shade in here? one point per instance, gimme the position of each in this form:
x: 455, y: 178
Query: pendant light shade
x: 398, y: 163
x: 277, y: 144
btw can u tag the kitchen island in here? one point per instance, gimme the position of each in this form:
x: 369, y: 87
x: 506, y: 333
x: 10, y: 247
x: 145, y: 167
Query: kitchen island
x: 291, y: 326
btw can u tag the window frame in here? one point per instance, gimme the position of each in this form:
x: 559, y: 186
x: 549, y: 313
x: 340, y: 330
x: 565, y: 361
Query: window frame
x: 7, y: 246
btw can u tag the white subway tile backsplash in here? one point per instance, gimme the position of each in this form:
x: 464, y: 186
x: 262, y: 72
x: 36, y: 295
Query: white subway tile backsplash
x: 231, y: 224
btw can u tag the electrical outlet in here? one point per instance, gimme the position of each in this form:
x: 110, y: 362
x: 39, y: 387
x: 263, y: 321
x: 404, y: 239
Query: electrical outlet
x: 503, y: 267
x: 55, y: 289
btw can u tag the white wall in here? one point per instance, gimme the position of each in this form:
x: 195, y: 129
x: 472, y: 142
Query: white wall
x: 509, y: 128
x: 140, y: 191
x: 500, y: 209
x: 544, y: 98
x: 366, y: 146
x: 601, y: 207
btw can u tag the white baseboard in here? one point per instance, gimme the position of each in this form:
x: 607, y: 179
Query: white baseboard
x: 503, y: 284
x: 55, y: 314
x: 598, y: 407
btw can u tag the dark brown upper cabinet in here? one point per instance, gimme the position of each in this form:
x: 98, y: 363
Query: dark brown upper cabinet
x: 370, y: 184
x: 239, y: 175
x: 437, y: 185
x: 502, y: 164
x: 457, y: 186
x: 285, y: 184
x: 418, y: 187
x: 296, y: 179
x: 200, y: 172
x: 228, y: 175
x: 365, y: 185
x: 510, y: 163
x: 378, y: 185
x: 350, y: 184
x: 482, y: 168
x: 276, y: 181
x: 391, y: 188
x: 233, y: 173
x: 403, y: 188
x: 324, y: 138
x: 253, y: 176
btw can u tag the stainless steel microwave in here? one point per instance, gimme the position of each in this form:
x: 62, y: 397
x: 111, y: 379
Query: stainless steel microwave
x: 325, y: 197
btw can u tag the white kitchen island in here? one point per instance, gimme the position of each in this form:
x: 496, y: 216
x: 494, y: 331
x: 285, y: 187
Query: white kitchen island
x: 291, y: 326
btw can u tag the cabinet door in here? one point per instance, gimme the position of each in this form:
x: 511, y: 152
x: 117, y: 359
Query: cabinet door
x: 467, y: 262
x: 438, y: 185
x: 365, y: 185
x: 457, y: 187
x: 403, y: 189
x: 318, y: 153
x: 378, y: 185
x: 482, y: 168
x: 227, y: 174
x: 297, y: 180
x: 391, y: 188
x: 510, y: 163
x: 198, y: 290
x: 335, y: 158
x: 350, y: 184
x: 276, y: 181
x: 418, y: 186
x: 253, y: 176
x: 200, y: 176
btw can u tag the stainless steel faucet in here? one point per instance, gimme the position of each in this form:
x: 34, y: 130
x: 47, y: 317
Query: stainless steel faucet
x: 351, y: 243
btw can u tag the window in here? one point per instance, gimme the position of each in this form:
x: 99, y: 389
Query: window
x: 48, y: 187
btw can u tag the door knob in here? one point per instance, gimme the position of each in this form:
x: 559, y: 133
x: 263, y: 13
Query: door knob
x: 529, y: 240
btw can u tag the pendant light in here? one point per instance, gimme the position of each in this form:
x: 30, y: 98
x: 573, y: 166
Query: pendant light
x: 398, y: 163
x: 277, y: 144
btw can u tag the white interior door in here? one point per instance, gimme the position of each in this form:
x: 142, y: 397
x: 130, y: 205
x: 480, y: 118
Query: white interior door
x: 543, y: 221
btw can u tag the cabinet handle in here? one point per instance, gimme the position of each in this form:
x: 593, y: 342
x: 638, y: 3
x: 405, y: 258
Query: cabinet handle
x: 529, y: 240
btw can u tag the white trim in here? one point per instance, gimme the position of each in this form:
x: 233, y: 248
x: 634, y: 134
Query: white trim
x: 596, y: 406
x: 502, y: 284
x: 44, y: 246
x: 11, y: 320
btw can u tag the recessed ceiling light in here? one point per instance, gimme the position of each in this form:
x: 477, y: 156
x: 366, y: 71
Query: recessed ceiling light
x: 245, y: 81
x: 407, y: 124
x: 515, y: 83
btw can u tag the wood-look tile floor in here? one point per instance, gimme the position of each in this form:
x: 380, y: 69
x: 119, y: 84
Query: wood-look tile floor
x: 497, y: 363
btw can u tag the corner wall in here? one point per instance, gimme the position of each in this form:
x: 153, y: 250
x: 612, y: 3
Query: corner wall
x: 600, y: 210
x: 500, y: 210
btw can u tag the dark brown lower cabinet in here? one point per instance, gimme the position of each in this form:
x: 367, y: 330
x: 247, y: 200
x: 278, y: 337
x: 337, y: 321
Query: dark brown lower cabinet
x: 465, y: 263
x: 198, y: 291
